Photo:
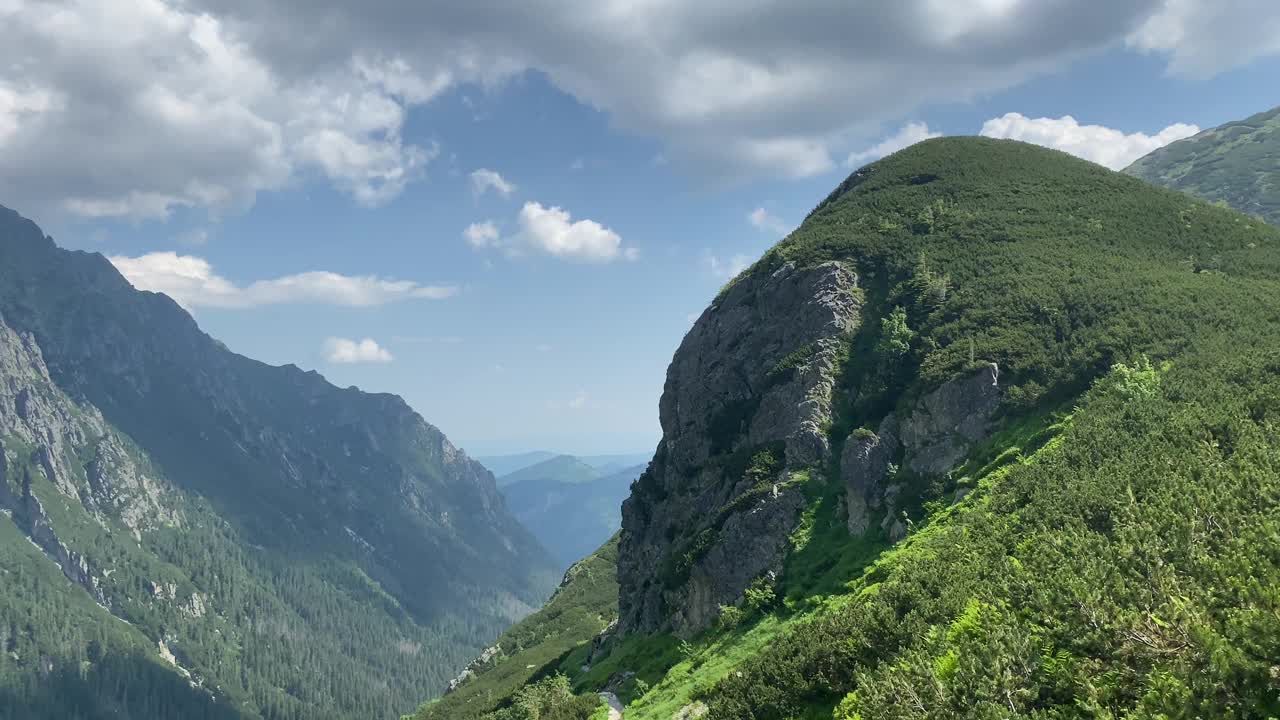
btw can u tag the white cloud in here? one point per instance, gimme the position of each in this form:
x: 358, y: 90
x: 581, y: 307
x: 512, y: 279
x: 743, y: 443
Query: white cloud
x: 481, y: 234
x: 553, y: 231
x: 133, y: 108
x: 485, y: 179
x: 909, y: 135
x: 342, y: 350
x: 137, y: 107
x: 192, y: 282
x: 1203, y: 38
x: 725, y: 269
x: 578, y: 401
x: 763, y: 220
x: 1096, y: 143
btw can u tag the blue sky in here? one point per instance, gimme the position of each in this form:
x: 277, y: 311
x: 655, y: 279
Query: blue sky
x: 553, y: 335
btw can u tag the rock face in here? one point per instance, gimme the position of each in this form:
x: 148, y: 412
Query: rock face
x: 865, y: 465
x: 947, y: 422
x: 747, y: 399
x: 941, y: 429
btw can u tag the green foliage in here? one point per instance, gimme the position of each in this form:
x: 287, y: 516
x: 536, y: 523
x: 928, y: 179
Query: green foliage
x: 760, y: 596
x: 548, y: 699
x: 895, y: 338
x: 579, y: 610
x: 730, y: 617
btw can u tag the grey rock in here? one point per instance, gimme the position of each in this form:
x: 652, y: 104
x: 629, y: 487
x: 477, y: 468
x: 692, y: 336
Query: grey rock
x: 948, y: 422
x: 727, y: 391
x: 864, y: 465
x: 482, y: 662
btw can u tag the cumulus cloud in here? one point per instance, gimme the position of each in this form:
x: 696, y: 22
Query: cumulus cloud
x: 553, y: 231
x: 764, y: 220
x: 344, y: 351
x: 723, y: 268
x: 483, y: 180
x: 133, y: 108
x: 1097, y: 143
x: 481, y: 234
x: 192, y: 282
x: 909, y: 135
x: 136, y: 107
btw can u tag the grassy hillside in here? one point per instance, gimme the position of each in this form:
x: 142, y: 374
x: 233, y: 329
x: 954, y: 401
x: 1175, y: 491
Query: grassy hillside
x: 1111, y: 552
x: 1237, y: 164
x: 583, y: 606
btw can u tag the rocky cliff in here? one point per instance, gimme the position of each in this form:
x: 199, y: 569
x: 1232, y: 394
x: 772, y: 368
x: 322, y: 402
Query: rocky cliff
x: 744, y: 410
x: 747, y: 416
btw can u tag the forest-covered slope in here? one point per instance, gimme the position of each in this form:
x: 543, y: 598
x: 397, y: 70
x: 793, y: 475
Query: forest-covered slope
x: 1236, y: 164
x: 994, y: 433
x: 228, y: 538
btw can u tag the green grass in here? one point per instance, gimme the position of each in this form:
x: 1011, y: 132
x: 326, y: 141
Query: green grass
x: 535, y: 646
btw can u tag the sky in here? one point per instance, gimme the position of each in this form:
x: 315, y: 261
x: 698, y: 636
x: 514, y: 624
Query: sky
x: 510, y: 214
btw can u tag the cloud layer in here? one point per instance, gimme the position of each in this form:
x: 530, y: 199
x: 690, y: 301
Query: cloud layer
x: 1103, y: 145
x: 192, y: 283
x: 136, y: 107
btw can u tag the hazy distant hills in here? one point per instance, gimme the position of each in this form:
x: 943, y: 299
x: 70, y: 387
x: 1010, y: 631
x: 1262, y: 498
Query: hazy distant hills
x: 571, y: 504
x: 503, y: 466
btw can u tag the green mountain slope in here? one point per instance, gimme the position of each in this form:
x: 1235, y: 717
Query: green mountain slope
x: 585, y: 603
x: 1237, y: 164
x: 568, y: 506
x: 1000, y: 449
x: 292, y: 549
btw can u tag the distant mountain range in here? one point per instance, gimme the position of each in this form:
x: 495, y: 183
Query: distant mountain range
x: 503, y: 466
x: 571, y: 504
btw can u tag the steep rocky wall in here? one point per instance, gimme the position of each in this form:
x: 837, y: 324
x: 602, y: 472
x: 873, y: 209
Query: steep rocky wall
x: 746, y: 404
x: 941, y: 428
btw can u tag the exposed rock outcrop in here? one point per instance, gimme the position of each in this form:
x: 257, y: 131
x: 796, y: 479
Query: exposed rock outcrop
x: 946, y: 423
x: 941, y: 429
x: 865, y: 464
x: 754, y: 375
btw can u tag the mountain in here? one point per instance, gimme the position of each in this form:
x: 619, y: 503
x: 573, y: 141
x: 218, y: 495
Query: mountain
x: 228, y: 539
x: 1237, y: 164
x: 505, y: 465
x: 975, y: 440
x: 569, y: 506
x: 562, y: 469
x: 609, y: 464
x: 501, y: 465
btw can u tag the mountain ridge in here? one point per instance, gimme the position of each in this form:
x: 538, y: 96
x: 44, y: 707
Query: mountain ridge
x: 348, y: 490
